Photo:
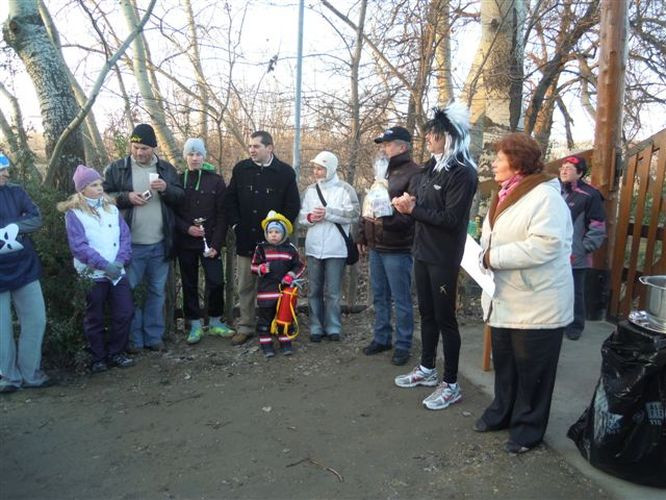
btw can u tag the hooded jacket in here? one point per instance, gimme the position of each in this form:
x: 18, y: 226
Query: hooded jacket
x: 589, y: 221
x: 323, y: 239
x: 204, y: 197
x: 528, y: 241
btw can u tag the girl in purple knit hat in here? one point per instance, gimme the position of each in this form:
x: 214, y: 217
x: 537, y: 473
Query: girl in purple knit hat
x: 100, y: 243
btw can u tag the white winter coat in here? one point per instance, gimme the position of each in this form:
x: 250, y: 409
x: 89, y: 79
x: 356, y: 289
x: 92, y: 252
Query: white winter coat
x: 530, y: 248
x: 323, y: 240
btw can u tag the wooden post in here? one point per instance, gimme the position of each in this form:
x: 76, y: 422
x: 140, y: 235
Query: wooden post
x: 487, y: 348
x: 608, y: 126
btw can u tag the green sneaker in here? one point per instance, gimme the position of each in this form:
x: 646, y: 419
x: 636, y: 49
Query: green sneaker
x: 221, y: 330
x: 195, y: 335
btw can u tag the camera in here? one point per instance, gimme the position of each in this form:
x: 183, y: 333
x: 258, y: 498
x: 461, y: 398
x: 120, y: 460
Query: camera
x: 147, y: 195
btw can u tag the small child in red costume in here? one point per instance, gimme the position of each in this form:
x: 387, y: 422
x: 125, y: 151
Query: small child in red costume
x: 276, y: 262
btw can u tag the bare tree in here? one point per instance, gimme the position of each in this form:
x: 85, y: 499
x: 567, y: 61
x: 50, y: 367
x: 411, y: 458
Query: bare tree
x: 151, y: 102
x: 25, y: 32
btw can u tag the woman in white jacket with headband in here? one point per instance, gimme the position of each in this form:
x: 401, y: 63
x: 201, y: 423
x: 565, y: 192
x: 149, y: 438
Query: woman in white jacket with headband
x: 327, y: 202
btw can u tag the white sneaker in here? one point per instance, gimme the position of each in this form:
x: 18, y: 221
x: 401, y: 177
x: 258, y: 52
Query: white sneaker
x: 443, y: 396
x: 417, y: 377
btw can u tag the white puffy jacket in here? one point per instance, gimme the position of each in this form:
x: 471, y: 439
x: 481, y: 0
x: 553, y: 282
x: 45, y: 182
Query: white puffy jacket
x: 323, y: 240
x: 529, y: 250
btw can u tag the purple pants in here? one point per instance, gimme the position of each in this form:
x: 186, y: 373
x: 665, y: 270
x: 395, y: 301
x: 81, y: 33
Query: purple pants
x: 119, y: 298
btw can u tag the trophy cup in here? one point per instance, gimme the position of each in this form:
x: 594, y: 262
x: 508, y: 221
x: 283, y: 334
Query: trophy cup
x: 199, y: 223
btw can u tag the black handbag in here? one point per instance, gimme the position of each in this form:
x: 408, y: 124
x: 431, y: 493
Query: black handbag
x: 352, y: 249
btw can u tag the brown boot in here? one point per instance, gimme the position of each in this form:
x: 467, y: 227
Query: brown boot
x: 240, y: 338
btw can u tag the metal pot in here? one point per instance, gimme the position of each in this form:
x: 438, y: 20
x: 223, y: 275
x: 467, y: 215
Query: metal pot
x: 655, y: 305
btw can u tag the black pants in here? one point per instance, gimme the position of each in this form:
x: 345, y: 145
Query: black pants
x: 525, y: 364
x: 189, y: 275
x: 436, y: 287
x: 578, y: 325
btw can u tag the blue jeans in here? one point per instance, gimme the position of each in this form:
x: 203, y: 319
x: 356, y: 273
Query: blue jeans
x: 391, y: 278
x: 148, y: 265
x: 22, y: 367
x: 325, y: 282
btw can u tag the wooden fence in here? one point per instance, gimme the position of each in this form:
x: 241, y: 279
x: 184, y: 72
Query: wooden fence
x: 639, y: 242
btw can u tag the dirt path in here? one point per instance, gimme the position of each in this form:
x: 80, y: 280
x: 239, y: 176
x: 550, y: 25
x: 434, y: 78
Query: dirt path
x: 215, y: 421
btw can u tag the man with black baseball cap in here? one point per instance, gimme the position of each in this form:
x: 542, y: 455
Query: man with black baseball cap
x: 395, y: 134
x: 146, y: 189
x: 389, y: 242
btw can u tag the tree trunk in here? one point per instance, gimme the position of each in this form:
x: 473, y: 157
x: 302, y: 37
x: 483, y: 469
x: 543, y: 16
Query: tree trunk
x: 202, y: 121
x: 352, y: 289
x: 492, y: 89
x: 151, y: 103
x: 443, y: 54
x: 25, y: 32
x: 95, y: 151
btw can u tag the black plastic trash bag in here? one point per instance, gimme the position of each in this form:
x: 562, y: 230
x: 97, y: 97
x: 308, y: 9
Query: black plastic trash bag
x: 623, y: 431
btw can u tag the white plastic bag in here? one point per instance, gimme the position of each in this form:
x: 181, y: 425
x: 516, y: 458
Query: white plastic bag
x: 377, y: 202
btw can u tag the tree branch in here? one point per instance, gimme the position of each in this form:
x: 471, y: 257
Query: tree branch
x: 95, y: 92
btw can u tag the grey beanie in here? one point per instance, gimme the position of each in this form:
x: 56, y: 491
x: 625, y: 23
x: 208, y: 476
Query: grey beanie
x: 194, y: 145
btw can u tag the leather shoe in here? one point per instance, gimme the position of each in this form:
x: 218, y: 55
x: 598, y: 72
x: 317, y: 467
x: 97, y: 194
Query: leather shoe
x: 333, y: 337
x: 481, y: 426
x: 400, y: 357
x: 159, y: 347
x: 133, y: 349
x: 515, y: 448
x: 375, y: 348
x: 240, y: 338
x: 571, y: 335
x: 315, y: 338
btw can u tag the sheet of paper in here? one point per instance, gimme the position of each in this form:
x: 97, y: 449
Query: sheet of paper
x: 470, y: 263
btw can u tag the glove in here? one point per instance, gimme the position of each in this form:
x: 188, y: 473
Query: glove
x: 287, y: 279
x: 264, y: 268
x: 114, y: 270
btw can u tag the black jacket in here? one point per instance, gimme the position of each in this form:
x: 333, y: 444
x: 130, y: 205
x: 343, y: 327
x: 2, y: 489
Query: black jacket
x: 118, y: 184
x: 443, y: 200
x: 252, y: 192
x: 396, y: 232
x: 204, y: 197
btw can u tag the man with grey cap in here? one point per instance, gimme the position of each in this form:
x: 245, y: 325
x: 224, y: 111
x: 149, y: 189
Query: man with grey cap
x: 201, y: 226
x: 147, y: 190
x: 388, y: 240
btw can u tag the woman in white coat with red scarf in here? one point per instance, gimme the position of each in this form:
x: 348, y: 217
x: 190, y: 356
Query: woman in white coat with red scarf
x: 526, y: 243
x: 327, y: 203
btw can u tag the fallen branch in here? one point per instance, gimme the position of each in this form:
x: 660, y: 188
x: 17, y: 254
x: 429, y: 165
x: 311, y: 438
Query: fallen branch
x: 192, y: 396
x: 322, y: 466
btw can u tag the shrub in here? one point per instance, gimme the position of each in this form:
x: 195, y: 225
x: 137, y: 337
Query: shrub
x: 64, y: 292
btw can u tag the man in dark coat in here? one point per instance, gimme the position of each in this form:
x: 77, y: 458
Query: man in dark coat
x: 258, y: 184
x: 389, y: 241
x: 146, y: 189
